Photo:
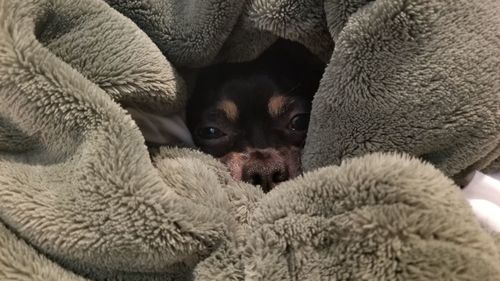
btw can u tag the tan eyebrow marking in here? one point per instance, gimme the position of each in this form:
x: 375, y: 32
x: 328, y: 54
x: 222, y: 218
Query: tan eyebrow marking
x: 229, y: 108
x: 277, y: 104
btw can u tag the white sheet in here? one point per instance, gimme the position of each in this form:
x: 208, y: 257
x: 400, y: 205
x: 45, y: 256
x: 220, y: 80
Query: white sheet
x: 483, y: 194
x: 163, y: 130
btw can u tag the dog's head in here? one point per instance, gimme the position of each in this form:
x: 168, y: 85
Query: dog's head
x: 254, y: 118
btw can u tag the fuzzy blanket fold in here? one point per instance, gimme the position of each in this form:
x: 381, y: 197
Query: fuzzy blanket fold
x: 81, y: 199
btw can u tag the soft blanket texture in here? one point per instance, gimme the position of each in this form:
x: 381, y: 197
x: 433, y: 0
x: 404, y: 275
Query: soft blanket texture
x: 80, y: 198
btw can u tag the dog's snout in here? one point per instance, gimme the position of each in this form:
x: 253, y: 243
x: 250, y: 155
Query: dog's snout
x: 265, y: 168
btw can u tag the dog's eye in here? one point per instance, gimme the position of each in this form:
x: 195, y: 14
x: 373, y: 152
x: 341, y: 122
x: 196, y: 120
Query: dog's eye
x: 299, y: 122
x: 209, y: 133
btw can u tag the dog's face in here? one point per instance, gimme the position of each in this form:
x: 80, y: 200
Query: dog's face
x: 256, y: 128
x: 254, y: 120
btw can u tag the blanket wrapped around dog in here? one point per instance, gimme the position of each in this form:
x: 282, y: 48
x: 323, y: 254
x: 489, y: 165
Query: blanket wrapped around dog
x: 81, y: 199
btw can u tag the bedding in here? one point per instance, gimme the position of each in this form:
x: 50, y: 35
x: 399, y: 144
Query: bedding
x: 406, y: 109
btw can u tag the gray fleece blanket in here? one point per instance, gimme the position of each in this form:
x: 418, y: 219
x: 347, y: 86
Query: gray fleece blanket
x: 407, y: 107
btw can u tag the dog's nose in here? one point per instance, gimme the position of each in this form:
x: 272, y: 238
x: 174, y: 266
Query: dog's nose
x: 265, y: 168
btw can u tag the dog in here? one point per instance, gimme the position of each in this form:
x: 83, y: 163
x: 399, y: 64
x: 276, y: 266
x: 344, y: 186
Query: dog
x: 254, y: 116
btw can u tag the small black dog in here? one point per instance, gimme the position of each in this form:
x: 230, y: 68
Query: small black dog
x: 254, y: 116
